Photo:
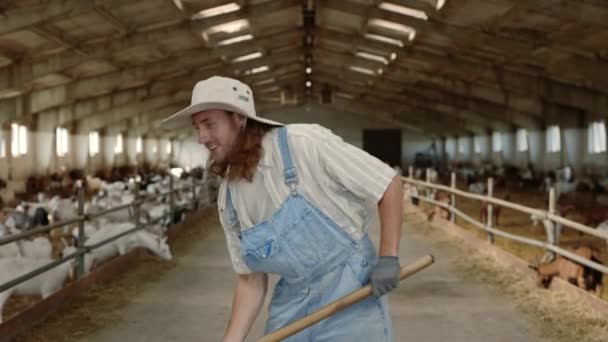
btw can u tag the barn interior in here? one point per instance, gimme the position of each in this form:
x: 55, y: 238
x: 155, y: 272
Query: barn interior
x: 508, y: 92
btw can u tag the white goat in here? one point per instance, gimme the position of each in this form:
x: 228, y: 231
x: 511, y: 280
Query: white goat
x: 109, y: 250
x: 43, y: 284
x: 155, y: 211
x: 156, y: 244
x: 10, y: 250
x: 38, y: 248
x: 477, y: 188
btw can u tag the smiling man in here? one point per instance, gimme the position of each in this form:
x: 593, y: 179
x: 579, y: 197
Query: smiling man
x: 294, y: 201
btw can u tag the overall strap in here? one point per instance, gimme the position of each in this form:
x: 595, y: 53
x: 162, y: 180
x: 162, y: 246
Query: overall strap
x: 233, y: 219
x: 289, y: 169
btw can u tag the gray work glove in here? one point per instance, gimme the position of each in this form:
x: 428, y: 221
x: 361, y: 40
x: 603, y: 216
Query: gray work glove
x: 385, y: 276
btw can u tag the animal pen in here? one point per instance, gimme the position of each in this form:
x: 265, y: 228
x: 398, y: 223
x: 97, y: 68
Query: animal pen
x: 81, y: 248
x: 551, y: 243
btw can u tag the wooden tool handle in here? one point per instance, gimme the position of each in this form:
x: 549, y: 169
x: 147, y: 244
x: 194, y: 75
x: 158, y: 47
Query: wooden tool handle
x: 341, y: 304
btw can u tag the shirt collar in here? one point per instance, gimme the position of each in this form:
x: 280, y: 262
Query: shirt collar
x: 268, y: 146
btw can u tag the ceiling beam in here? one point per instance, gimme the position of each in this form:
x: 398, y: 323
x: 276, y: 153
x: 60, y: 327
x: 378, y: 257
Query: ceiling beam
x: 122, y: 113
x: 18, y: 78
x: 404, y: 104
x: 578, y: 11
x: 459, y: 36
x: 23, y: 18
x: 392, y: 84
x: 519, y: 88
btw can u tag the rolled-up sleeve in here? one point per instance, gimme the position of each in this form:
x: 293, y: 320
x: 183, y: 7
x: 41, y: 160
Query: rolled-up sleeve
x: 232, y: 239
x: 366, y: 176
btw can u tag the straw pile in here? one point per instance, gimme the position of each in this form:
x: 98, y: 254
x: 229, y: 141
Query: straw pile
x: 557, y: 314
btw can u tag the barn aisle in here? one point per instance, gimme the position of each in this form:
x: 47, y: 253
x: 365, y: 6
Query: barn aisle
x: 191, y: 302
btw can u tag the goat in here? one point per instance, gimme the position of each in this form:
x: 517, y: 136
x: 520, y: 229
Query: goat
x: 156, y: 244
x: 43, y: 284
x: 155, y: 211
x: 443, y: 197
x: 483, y: 213
x: 477, y: 188
x: 576, y: 274
x: 10, y: 250
x: 5, y: 227
x: 107, y: 251
x: 38, y: 248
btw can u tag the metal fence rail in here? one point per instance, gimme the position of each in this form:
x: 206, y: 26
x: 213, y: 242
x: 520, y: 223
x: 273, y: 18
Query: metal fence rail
x: 541, y: 214
x: 82, y: 218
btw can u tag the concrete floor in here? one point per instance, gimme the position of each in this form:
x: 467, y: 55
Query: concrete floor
x: 192, y: 301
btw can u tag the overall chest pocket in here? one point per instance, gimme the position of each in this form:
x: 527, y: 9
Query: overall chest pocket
x: 314, y: 239
x: 266, y: 255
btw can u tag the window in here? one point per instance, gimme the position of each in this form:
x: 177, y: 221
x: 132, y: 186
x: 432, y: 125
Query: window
x: 61, y: 141
x: 118, y: 147
x: 462, y: 145
x: 155, y: 147
x: 2, y: 145
x: 553, y: 139
x: 18, y: 140
x: 477, y: 144
x: 496, y: 142
x: 169, y: 147
x: 597, y: 137
x: 139, y: 145
x: 93, y: 143
x: 522, y: 140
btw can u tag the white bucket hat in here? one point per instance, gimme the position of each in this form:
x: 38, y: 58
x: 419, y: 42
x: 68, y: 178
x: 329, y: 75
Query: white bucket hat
x: 217, y: 92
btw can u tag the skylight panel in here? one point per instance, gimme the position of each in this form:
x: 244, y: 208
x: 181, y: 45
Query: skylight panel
x: 384, y: 39
x: 372, y: 57
x: 247, y: 57
x: 234, y: 40
x: 211, y: 12
x: 257, y: 70
x: 399, y: 28
x: 403, y: 10
x: 362, y: 70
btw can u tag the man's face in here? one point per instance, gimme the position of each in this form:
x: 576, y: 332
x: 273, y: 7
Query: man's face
x: 218, y: 131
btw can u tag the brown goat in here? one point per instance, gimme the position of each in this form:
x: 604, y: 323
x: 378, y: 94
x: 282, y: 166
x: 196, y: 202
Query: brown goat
x: 483, y: 212
x: 444, y: 197
x: 582, y: 276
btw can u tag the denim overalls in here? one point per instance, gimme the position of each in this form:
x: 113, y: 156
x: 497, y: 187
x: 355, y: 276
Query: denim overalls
x: 318, y: 263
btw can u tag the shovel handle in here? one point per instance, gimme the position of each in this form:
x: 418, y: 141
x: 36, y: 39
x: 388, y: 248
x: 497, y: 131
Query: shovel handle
x: 341, y: 304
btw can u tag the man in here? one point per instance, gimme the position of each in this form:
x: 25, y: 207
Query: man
x: 294, y: 201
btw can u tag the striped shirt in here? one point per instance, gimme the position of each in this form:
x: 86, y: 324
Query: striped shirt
x: 343, y: 181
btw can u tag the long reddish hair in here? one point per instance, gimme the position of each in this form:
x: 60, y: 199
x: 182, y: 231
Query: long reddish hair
x: 247, y: 153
